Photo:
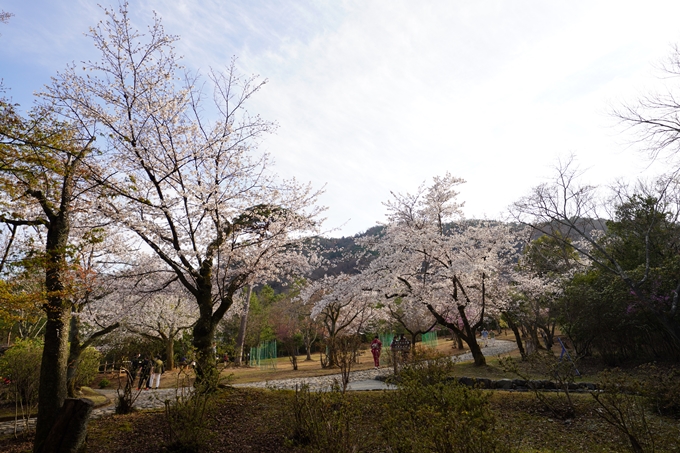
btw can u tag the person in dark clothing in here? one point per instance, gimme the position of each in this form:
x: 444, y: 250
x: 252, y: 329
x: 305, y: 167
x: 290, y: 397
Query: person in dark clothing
x: 144, y: 374
x: 134, y: 368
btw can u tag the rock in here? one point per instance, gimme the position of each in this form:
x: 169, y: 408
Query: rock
x: 466, y: 381
x: 504, y: 384
x: 484, y: 383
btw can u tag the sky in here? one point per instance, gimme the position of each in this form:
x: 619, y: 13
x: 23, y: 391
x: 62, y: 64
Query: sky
x: 378, y: 96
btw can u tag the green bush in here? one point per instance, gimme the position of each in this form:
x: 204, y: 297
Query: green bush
x: 662, y: 389
x: 621, y: 404
x: 88, y: 367
x: 324, y: 421
x: 431, y: 413
x: 427, y: 367
x: 186, y: 421
x: 428, y: 412
x: 20, y: 368
x: 104, y: 383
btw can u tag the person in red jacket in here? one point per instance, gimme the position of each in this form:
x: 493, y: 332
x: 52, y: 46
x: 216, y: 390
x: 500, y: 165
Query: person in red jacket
x: 376, y: 347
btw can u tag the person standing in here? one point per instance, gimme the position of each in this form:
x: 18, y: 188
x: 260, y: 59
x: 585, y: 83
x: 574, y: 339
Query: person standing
x: 376, y: 348
x: 144, y: 374
x: 156, y: 371
x: 485, y: 337
x: 134, y: 368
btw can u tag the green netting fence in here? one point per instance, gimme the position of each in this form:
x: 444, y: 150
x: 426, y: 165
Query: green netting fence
x: 264, y: 356
x: 429, y: 339
x: 386, y: 340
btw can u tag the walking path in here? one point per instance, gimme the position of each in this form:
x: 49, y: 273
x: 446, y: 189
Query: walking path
x: 366, y: 379
x: 359, y: 380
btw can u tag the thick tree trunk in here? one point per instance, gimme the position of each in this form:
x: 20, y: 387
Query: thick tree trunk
x: 467, y: 334
x: 457, y: 340
x: 204, y: 330
x: 204, y: 333
x: 331, y: 353
x: 518, y: 338
x: 533, y: 334
x: 470, y: 338
x: 70, y: 429
x: 476, y: 351
x: 170, y: 354
x: 241, y: 338
x: 52, y: 390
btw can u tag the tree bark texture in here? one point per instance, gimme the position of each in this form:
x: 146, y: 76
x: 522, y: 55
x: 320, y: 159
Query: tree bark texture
x: 70, y: 428
x: 170, y: 354
x: 52, y: 391
x: 241, y: 339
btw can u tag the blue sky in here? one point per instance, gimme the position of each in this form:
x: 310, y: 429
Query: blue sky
x: 378, y: 96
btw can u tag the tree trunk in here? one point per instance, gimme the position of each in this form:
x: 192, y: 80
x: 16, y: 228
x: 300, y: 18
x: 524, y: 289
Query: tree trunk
x: 331, y: 353
x: 308, y: 349
x: 533, y: 334
x: 241, y: 338
x: 204, y: 333
x: 170, y: 354
x: 467, y: 334
x: 75, y: 350
x: 476, y: 351
x: 518, y: 336
x: 70, y: 429
x: 52, y: 391
x: 471, y: 338
x: 457, y: 340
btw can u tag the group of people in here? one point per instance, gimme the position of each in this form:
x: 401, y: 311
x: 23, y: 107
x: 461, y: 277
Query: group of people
x: 398, y: 344
x: 150, y: 370
x: 488, y: 337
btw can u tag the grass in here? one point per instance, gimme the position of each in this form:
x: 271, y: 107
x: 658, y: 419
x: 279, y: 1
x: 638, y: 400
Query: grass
x: 261, y: 420
x: 256, y: 420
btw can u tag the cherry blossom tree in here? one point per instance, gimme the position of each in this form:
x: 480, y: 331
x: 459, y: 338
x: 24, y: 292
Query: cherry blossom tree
x: 448, y: 267
x: 97, y: 256
x: 162, y: 317
x: 341, y: 305
x: 190, y: 187
x: 412, y: 315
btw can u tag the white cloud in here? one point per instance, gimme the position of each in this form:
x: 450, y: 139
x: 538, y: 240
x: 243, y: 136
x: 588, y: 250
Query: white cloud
x: 381, y: 95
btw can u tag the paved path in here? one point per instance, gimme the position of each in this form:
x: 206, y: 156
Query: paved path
x: 366, y: 379
x: 359, y: 381
x: 147, y: 399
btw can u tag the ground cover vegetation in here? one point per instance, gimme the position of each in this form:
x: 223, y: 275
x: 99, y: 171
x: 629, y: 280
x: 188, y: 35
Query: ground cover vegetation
x: 140, y: 223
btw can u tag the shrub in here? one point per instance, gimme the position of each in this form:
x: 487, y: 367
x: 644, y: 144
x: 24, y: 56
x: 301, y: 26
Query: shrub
x: 661, y: 386
x: 185, y: 417
x: 622, y: 405
x: 20, y: 366
x: 427, y: 367
x: 104, y: 383
x: 561, y: 372
x: 325, y: 421
x: 88, y: 367
x: 429, y: 412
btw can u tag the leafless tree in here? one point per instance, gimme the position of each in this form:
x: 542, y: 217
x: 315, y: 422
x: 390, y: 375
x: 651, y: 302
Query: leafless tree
x: 574, y: 215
